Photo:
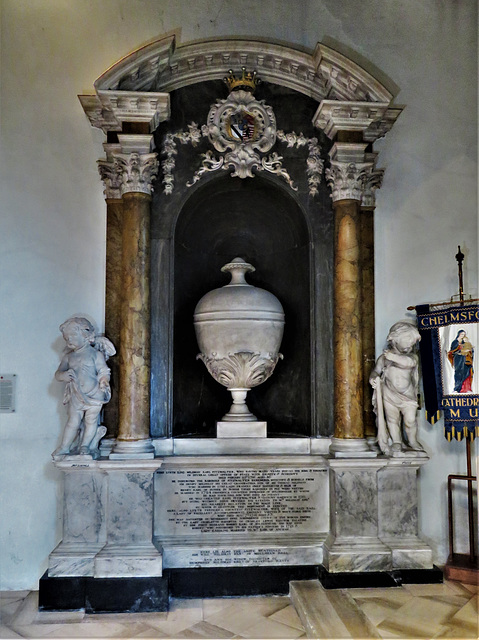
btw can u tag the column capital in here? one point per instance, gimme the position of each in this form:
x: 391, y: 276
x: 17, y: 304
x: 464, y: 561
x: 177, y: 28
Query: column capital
x: 138, y: 171
x: 373, y: 181
x: 353, y: 175
x: 111, y: 176
x: 373, y: 119
x: 347, y: 180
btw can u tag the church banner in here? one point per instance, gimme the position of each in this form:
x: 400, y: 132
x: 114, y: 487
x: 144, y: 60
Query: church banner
x: 449, y: 338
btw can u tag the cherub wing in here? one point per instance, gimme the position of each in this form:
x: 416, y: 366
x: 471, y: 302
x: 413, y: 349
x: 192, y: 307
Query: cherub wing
x: 105, y: 346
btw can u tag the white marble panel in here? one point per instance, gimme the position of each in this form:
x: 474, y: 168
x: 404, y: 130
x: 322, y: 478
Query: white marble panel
x: 130, y: 507
x: 397, y: 502
x: 355, y: 502
x: 84, y: 503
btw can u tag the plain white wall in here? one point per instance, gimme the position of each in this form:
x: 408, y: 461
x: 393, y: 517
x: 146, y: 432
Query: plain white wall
x: 52, y: 211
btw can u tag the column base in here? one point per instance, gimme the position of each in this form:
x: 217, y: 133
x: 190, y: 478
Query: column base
x: 70, y: 559
x: 351, y: 448
x: 132, y: 449
x: 409, y: 552
x: 350, y: 555
x: 128, y: 561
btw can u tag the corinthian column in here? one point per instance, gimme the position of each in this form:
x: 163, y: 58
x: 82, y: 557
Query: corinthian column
x: 347, y: 177
x: 138, y: 170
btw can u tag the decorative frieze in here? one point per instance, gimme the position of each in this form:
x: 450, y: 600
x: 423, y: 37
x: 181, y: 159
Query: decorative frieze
x: 138, y: 171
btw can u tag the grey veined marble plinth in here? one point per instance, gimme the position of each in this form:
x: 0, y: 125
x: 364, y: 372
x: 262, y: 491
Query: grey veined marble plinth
x: 107, y: 520
x: 374, y: 516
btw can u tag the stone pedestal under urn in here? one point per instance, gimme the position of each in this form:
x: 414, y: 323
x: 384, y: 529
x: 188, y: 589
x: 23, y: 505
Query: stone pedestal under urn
x: 189, y: 495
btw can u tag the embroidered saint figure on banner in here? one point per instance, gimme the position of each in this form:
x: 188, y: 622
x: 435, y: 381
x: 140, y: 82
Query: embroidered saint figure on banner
x: 448, y: 340
x: 461, y: 356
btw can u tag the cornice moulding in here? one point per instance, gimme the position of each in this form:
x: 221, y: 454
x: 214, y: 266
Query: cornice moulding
x: 321, y: 74
x: 335, y: 115
x: 108, y: 109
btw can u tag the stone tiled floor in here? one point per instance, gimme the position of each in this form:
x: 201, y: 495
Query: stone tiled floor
x: 446, y: 610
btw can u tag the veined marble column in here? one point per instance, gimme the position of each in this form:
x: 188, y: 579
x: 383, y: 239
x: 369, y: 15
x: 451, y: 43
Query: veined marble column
x: 138, y: 172
x: 368, y: 204
x: 368, y: 325
x: 347, y: 177
x: 112, y: 180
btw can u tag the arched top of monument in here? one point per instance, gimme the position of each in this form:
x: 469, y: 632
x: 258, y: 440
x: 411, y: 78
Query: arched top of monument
x: 323, y: 74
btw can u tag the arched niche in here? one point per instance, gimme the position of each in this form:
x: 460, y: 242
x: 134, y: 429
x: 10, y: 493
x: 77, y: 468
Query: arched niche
x: 285, y: 232
x: 264, y: 225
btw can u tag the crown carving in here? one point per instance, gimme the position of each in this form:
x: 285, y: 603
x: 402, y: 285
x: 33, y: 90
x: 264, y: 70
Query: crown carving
x: 247, y: 82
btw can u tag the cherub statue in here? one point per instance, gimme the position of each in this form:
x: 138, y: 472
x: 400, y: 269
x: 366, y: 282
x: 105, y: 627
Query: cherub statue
x: 395, y: 379
x: 83, y: 368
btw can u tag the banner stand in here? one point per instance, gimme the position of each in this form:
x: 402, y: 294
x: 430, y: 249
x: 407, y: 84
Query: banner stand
x: 459, y: 405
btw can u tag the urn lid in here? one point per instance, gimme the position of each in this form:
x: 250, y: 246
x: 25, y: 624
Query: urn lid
x: 239, y: 296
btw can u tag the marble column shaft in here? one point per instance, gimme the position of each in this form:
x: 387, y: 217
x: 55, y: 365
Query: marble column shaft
x: 113, y: 290
x: 368, y: 324
x: 348, y: 354
x: 134, y: 406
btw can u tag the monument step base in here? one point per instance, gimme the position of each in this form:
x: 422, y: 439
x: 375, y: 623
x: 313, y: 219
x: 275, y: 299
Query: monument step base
x: 221, y: 551
x: 235, y: 581
x: 103, y: 595
x: 379, y: 579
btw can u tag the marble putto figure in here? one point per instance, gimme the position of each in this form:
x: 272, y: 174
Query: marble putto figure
x: 395, y: 379
x: 83, y: 367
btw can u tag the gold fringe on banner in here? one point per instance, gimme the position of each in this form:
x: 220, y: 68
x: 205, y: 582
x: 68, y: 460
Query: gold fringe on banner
x: 433, y: 418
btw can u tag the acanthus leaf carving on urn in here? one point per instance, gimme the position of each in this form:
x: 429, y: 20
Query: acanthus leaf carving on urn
x: 243, y: 370
x: 138, y: 171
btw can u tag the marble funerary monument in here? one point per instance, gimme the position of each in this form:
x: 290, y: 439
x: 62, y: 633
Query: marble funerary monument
x: 272, y: 162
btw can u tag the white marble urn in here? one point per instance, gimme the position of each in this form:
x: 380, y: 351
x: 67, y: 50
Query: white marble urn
x: 239, y: 329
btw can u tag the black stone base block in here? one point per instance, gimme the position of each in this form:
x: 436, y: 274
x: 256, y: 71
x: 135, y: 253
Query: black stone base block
x: 103, y: 595
x: 372, y: 579
x: 235, y: 581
